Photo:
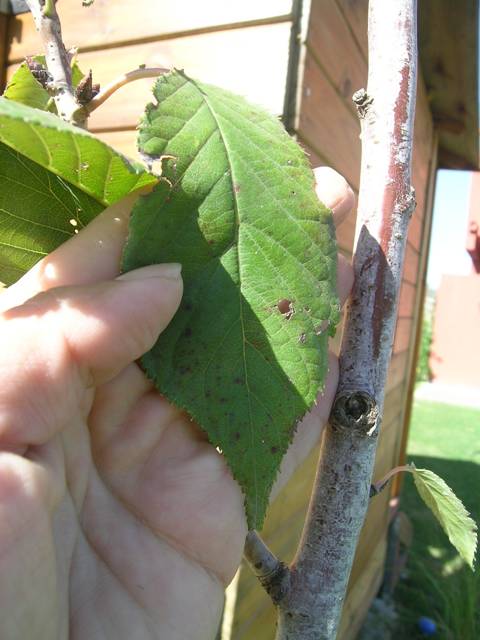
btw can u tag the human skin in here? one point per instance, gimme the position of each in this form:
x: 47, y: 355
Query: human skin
x: 118, y: 520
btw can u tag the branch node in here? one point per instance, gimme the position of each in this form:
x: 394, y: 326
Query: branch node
x: 273, y: 575
x: 355, y: 411
x: 363, y: 102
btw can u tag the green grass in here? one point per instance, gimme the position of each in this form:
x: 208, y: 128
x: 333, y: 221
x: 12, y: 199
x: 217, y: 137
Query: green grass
x: 445, y: 439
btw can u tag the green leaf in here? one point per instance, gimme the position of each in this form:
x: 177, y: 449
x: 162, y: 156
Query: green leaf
x: 449, y: 511
x: 38, y: 211
x: 72, y: 153
x: 24, y: 88
x: 246, y: 354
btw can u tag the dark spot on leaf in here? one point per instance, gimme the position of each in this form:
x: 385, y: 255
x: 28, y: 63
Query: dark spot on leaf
x: 258, y: 565
x: 187, y: 332
x: 236, y: 435
x: 222, y: 400
x: 286, y: 308
x: 188, y: 306
x: 238, y: 381
x: 302, y: 338
x: 210, y: 241
x: 184, y: 370
x: 274, y: 449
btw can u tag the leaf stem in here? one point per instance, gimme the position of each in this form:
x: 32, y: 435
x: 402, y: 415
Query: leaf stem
x: 131, y: 76
x: 273, y: 574
x: 379, y: 485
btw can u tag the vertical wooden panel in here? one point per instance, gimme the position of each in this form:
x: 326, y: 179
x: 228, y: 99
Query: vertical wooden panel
x: 3, y: 49
x: 419, y: 305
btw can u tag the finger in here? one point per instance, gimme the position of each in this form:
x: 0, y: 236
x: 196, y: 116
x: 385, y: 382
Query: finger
x: 333, y: 190
x: 93, y: 255
x: 68, y: 338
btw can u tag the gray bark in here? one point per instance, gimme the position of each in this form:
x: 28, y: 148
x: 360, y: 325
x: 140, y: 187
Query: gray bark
x: 311, y: 608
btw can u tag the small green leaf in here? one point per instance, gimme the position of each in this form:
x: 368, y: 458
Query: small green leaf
x: 449, y: 511
x: 24, y: 88
x: 38, y: 211
x: 246, y: 354
x: 72, y: 153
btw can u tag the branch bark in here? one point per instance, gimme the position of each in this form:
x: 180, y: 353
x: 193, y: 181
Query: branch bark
x: 48, y: 25
x: 311, y: 608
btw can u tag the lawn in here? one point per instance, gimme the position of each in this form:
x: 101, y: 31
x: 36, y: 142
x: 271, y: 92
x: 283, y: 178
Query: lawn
x: 437, y: 584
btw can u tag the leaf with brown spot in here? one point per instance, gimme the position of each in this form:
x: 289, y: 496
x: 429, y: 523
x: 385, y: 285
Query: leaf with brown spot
x: 253, y: 260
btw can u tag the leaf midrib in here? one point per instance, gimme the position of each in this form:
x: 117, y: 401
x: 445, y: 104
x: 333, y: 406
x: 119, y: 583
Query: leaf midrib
x: 236, y: 241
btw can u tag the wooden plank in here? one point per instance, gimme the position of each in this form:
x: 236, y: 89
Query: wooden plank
x: 327, y: 126
x: 355, y: 13
x: 362, y: 593
x: 406, y: 302
x: 397, y: 370
x: 402, y: 334
x: 327, y: 29
x: 415, y: 232
x: 448, y: 44
x: 393, y: 404
x: 102, y: 25
x: 419, y: 308
x: 240, y: 68
x: 411, y: 264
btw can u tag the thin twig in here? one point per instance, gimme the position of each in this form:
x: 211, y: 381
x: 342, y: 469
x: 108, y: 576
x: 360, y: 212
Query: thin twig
x: 273, y: 574
x: 47, y: 23
x: 131, y: 76
x: 320, y: 571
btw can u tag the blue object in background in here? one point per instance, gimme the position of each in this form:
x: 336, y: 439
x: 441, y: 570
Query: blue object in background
x: 427, y: 626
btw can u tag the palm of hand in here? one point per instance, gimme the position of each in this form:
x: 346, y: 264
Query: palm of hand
x: 122, y: 560
x: 119, y: 518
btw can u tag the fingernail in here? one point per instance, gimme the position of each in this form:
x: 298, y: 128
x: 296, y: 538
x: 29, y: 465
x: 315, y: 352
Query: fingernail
x: 169, y: 271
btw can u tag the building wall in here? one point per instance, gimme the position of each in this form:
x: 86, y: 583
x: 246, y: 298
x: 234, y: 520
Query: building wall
x: 456, y: 327
x: 247, y: 47
x: 456, y: 331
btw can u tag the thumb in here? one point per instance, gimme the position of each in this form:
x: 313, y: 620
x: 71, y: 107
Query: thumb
x: 68, y: 338
x: 109, y: 325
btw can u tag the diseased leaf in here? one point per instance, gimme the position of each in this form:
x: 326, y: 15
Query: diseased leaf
x: 38, y: 211
x: 246, y: 354
x: 449, y: 511
x: 72, y: 153
x: 23, y: 87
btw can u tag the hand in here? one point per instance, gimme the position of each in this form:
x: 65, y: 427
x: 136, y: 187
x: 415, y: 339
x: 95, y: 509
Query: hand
x: 119, y: 521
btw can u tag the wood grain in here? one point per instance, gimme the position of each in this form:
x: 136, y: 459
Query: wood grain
x: 326, y: 124
x: 104, y: 25
x: 240, y: 68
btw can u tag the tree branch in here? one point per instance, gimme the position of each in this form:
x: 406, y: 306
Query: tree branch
x: 131, y: 76
x: 319, y: 575
x: 274, y: 575
x: 47, y: 23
